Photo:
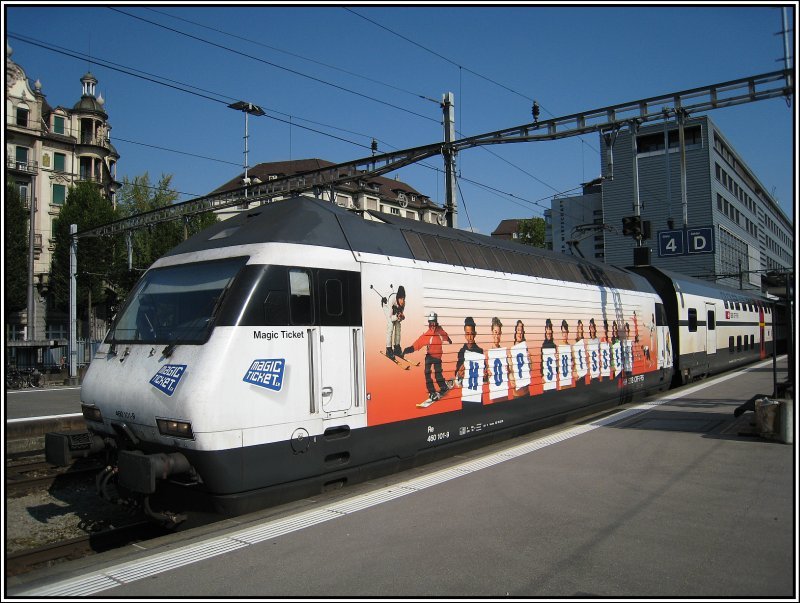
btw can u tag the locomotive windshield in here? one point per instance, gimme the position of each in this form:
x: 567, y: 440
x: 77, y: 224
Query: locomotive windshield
x: 176, y: 304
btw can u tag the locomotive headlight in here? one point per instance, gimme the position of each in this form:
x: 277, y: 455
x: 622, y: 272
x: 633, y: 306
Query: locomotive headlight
x: 176, y: 429
x: 91, y: 413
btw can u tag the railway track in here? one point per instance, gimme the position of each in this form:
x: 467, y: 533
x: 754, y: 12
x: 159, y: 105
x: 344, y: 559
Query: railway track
x: 25, y: 561
x: 36, y: 474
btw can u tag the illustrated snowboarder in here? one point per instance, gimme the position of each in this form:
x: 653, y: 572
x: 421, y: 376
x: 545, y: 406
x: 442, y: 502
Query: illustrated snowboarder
x: 432, y: 340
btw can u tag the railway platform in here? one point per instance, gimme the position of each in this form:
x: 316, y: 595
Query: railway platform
x: 671, y: 497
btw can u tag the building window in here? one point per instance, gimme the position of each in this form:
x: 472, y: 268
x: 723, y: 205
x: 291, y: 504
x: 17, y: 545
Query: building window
x: 59, y: 162
x: 22, y: 158
x: 58, y: 124
x: 59, y: 194
x: 22, y: 116
x: 56, y: 331
x: 654, y: 143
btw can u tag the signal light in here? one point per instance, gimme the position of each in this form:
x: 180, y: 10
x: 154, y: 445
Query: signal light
x: 632, y: 226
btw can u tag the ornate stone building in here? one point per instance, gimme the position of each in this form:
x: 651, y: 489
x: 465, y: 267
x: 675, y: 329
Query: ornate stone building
x: 48, y: 149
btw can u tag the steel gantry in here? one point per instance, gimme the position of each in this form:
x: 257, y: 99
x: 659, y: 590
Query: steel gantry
x: 607, y: 120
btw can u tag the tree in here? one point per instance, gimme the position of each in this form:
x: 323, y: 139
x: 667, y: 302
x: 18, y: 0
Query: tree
x: 87, y: 208
x: 16, y: 251
x: 531, y: 232
x: 150, y: 243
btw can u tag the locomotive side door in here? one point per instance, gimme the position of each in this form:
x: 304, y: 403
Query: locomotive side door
x: 335, y: 369
x: 340, y: 358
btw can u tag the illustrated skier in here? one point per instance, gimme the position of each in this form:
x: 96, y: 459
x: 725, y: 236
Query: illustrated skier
x: 432, y: 339
x: 394, y: 307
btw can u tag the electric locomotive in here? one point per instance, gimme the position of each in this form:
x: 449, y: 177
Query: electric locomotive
x: 299, y: 346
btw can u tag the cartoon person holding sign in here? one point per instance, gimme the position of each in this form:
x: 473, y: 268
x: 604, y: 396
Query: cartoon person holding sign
x: 470, y: 369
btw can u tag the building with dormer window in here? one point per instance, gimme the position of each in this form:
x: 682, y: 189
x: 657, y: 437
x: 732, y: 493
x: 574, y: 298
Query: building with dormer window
x: 377, y: 194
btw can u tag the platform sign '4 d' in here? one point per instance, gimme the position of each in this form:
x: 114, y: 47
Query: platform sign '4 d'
x: 700, y: 240
x: 671, y: 242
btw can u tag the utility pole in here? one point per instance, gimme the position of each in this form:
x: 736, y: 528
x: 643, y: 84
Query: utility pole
x: 637, y: 206
x: 681, y: 115
x: 448, y: 109
x: 73, y: 305
x: 31, y: 331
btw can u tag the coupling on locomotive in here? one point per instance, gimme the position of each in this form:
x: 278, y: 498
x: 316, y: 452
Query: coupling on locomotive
x: 301, y: 346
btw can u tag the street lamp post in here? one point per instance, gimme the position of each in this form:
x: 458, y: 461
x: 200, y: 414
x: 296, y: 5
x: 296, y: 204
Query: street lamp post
x: 247, y: 109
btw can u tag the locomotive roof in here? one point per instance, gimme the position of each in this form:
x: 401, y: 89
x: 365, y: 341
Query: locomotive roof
x: 308, y: 221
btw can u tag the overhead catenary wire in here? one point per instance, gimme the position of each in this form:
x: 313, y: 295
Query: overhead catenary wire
x: 275, y: 65
x: 441, y: 56
x: 460, y: 69
x: 188, y: 88
x: 206, y: 94
x: 299, y: 56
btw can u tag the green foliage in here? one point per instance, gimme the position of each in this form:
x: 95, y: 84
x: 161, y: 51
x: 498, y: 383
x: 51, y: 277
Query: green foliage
x: 16, y: 251
x: 150, y: 243
x: 87, y: 208
x: 103, y: 261
x: 531, y: 232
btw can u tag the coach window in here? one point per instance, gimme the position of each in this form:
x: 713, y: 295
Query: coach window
x: 752, y: 342
x: 692, y: 320
x: 300, y: 308
x: 730, y: 344
x: 738, y: 343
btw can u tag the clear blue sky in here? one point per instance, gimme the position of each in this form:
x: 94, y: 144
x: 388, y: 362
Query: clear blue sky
x: 317, y: 66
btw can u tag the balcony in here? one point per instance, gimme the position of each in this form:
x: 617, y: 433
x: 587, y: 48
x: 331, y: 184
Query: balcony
x: 88, y: 138
x: 26, y: 167
x: 87, y: 177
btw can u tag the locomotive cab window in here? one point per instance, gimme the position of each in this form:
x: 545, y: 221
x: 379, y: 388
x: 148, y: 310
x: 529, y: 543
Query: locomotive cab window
x: 692, y: 320
x: 300, y: 307
x: 334, y: 305
x: 176, y: 304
